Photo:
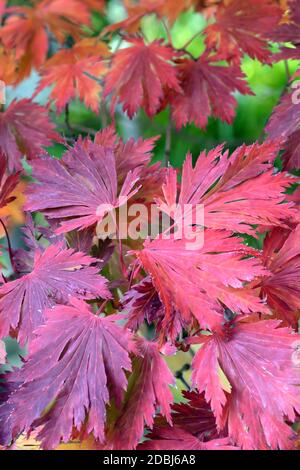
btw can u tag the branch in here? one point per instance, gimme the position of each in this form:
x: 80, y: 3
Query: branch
x: 179, y: 375
x: 167, y: 31
x: 67, y: 117
x: 168, y: 141
x: 9, y: 247
x: 189, y: 42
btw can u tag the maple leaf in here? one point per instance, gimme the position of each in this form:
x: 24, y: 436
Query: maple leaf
x: 207, y: 90
x: 193, y: 428
x: 284, y: 122
x: 187, y: 279
x: 130, y: 154
x: 82, y: 187
x: 25, y: 128
x: 251, y: 380
x: 289, y: 29
x: 25, y: 29
x: 235, y: 191
x: 75, y: 366
x: 57, y: 274
x: 139, y: 76
x: 67, y: 72
x: 175, y: 438
x: 137, y: 11
x: 8, y: 183
x: 134, y: 154
x: 140, y: 303
x: 285, y: 118
x: 282, y: 259
x: 291, y: 155
x: 148, y: 389
x: 243, y: 27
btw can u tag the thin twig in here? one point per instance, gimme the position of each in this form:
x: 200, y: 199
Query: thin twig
x: 67, y: 117
x: 92, y: 77
x: 9, y: 247
x: 179, y: 375
x: 103, y: 115
x: 167, y: 31
x: 189, y: 42
x: 287, y: 70
x: 168, y: 141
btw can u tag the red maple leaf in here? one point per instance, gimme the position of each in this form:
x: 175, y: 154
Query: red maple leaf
x: 250, y: 374
x: 140, y: 303
x: 175, y: 438
x: 285, y: 118
x: 236, y: 192
x: 81, y: 188
x: 130, y: 154
x: 25, y: 128
x: 57, y: 274
x: 67, y: 72
x: 289, y: 29
x: 139, y: 76
x: 75, y: 366
x: 7, y: 183
x: 187, y: 280
x: 194, y: 428
x: 284, y: 123
x: 148, y: 389
x: 137, y: 11
x: 291, y: 155
x: 207, y: 90
x: 282, y: 258
x: 243, y: 27
x: 25, y: 29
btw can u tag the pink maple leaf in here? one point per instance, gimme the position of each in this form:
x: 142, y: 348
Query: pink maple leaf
x: 250, y: 374
x: 148, y: 390
x: 139, y: 75
x: 282, y: 259
x: 236, y: 192
x: 7, y: 183
x: 187, y: 280
x: 243, y: 27
x: 25, y: 128
x: 81, y: 188
x: 57, y: 274
x: 194, y: 428
x: 207, y: 90
x: 75, y: 366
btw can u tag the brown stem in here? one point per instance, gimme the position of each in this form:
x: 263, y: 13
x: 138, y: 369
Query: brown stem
x: 189, y: 42
x: 179, y: 375
x: 168, y: 141
x: 167, y: 31
x: 67, y: 117
x: 9, y: 247
x: 287, y: 70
